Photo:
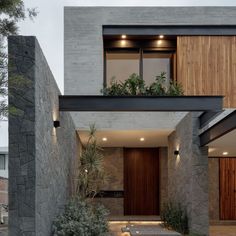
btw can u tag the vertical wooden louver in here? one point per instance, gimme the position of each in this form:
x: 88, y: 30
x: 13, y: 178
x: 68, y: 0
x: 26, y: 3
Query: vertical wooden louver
x: 206, y: 65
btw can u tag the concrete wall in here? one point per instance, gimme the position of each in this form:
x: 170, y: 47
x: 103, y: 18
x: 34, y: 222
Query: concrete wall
x: 41, y: 158
x: 83, y: 53
x: 214, y: 195
x: 188, y: 173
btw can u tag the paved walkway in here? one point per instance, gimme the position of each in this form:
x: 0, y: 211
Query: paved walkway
x: 214, y: 230
x: 116, y: 230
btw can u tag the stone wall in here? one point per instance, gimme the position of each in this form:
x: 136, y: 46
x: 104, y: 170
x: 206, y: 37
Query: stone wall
x: 114, y: 167
x: 41, y: 158
x: 188, y: 173
x: 163, y: 155
x: 214, y: 201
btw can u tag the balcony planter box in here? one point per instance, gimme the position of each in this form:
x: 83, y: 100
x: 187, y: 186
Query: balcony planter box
x: 139, y: 103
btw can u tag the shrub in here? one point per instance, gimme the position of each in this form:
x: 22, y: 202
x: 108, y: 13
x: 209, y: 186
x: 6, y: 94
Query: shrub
x: 175, y: 217
x: 135, y: 85
x: 81, y: 218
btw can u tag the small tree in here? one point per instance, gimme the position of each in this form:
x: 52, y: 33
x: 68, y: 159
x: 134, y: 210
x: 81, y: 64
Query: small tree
x: 81, y: 216
x: 91, y: 168
x: 11, y: 11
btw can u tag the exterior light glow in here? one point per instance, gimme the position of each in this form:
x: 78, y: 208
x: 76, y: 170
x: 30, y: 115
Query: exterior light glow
x: 104, y: 139
x: 159, y: 42
x: 161, y: 36
x: 123, y: 36
x: 123, y: 42
x: 86, y: 170
x: 225, y: 153
x: 142, y: 139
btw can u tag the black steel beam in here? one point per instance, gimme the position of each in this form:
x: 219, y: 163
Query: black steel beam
x: 169, y: 30
x: 221, y: 128
x: 140, y: 103
x: 208, y: 116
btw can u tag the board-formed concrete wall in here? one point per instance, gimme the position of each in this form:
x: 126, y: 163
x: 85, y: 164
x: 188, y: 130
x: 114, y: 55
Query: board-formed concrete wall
x: 188, y: 173
x: 41, y: 158
x: 84, y: 54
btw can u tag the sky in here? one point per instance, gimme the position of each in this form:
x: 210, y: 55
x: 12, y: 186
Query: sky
x: 48, y: 25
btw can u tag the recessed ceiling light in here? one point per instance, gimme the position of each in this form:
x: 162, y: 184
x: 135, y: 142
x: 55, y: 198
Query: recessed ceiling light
x: 142, y: 139
x: 161, y: 36
x: 225, y: 153
x: 104, y: 139
x: 123, y: 36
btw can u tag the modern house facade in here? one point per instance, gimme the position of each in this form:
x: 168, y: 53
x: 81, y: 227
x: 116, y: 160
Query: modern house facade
x: 157, y: 149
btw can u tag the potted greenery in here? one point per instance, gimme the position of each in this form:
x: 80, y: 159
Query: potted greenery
x: 135, y: 85
x: 82, y: 216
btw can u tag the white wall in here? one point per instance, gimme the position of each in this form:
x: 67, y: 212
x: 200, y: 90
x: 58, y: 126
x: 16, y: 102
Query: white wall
x: 4, y: 145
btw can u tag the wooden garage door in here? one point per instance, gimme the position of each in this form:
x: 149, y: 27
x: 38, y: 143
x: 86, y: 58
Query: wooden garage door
x: 228, y: 188
x: 141, y: 181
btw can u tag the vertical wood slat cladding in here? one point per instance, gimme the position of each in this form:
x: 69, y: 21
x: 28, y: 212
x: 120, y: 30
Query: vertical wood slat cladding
x: 228, y: 188
x: 141, y: 181
x: 206, y: 65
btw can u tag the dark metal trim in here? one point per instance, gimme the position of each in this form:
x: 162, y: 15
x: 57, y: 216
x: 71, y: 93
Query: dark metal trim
x: 169, y: 30
x: 221, y: 128
x: 110, y: 194
x: 136, y: 43
x: 140, y: 103
x: 206, y: 117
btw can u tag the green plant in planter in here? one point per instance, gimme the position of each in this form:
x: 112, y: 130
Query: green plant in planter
x: 82, y: 216
x: 91, y: 168
x: 175, y: 217
x: 158, y: 87
x: 135, y: 85
x: 175, y: 89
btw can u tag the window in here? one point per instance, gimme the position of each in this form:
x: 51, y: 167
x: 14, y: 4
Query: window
x: 120, y: 65
x: 146, y: 63
x: 2, y: 161
x: 154, y: 63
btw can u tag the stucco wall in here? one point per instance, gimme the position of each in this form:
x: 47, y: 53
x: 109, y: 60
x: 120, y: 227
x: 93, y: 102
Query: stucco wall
x: 41, y: 158
x: 214, y: 200
x: 188, y: 173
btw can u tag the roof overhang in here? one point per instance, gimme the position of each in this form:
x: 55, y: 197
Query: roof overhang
x: 139, y: 30
x: 98, y: 103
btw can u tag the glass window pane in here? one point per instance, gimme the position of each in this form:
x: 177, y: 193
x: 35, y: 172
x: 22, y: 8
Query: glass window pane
x: 154, y: 64
x: 2, y: 162
x: 121, y: 65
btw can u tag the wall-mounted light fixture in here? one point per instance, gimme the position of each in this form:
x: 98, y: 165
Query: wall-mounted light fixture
x: 161, y: 36
x: 56, y: 123
x: 123, y: 36
x: 176, y: 152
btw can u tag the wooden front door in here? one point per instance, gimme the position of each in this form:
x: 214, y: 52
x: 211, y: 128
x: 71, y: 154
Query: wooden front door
x: 141, y: 181
x: 228, y: 188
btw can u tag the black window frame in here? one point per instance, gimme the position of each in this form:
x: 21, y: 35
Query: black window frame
x: 140, y: 50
